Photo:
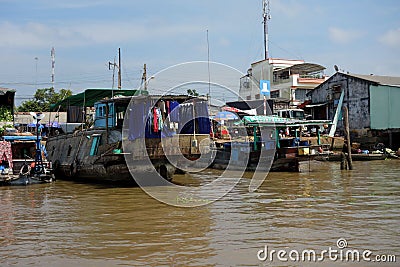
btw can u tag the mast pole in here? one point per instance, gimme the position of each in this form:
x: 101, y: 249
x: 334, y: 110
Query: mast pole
x: 209, y: 85
x: 144, y: 77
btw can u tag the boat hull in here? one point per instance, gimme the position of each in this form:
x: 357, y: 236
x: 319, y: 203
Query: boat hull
x: 74, y: 157
x: 23, y: 180
x: 354, y: 157
x: 276, y: 163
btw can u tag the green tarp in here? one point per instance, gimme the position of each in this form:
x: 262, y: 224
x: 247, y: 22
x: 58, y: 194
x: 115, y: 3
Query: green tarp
x: 91, y: 96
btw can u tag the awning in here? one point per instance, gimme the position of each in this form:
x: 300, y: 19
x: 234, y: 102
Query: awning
x: 303, y: 68
x: 281, y: 122
x: 225, y: 115
x: 20, y: 138
x: 236, y: 110
x: 316, y: 105
x: 91, y: 96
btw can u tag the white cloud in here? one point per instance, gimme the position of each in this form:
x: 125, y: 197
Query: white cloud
x: 41, y: 35
x: 343, y: 36
x: 291, y: 9
x: 391, y: 38
x: 70, y: 4
x: 224, y: 42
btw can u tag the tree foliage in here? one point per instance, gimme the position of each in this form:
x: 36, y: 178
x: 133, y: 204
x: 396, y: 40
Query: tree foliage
x: 43, y: 98
x: 5, y: 114
x: 193, y: 92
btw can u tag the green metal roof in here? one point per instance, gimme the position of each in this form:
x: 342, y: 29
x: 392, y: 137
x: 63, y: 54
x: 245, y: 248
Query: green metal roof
x: 91, y: 96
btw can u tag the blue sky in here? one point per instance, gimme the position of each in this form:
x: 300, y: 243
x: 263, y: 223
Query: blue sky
x: 360, y: 36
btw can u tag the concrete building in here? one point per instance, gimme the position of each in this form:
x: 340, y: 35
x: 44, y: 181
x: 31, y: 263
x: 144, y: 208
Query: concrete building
x: 289, y: 79
x: 25, y: 118
x: 373, y: 103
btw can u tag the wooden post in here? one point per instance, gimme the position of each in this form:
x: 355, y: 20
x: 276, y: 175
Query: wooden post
x: 347, y: 134
x: 255, y: 138
x: 107, y: 112
x: 343, y: 161
x: 333, y: 143
x: 278, y: 144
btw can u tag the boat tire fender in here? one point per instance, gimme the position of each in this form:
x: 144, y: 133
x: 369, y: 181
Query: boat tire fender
x: 25, y: 170
x: 73, y: 168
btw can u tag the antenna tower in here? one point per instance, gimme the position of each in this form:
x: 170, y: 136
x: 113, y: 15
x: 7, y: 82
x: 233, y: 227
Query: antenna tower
x: 266, y: 18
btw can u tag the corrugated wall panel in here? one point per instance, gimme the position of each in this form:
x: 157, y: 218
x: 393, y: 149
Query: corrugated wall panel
x: 384, y: 107
x: 394, y: 115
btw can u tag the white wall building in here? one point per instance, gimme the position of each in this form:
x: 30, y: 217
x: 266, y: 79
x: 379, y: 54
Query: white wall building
x: 290, y: 79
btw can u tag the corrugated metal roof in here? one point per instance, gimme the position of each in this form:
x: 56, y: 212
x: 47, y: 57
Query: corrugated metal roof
x: 3, y: 91
x: 384, y: 80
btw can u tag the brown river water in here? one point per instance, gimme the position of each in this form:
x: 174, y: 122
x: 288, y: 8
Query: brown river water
x: 76, y: 224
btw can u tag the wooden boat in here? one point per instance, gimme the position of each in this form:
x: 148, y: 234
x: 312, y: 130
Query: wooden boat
x: 23, y: 161
x: 264, y: 148
x: 111, y: 150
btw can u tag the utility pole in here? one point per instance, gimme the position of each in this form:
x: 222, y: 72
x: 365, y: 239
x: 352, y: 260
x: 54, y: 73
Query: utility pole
x: 119, y: 68
x: 115, y: 65
x: 266, y: 17
x: 36, y: 66
x: 53, y: 62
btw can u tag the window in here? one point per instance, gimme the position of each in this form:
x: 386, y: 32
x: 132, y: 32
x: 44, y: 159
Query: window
x: 297, y: 114
x: 301, y: 94
x: 337, y: 88
x: 95, y: 145
x: 285, y: 114
x: 69, y: 151
x: 274, y: 94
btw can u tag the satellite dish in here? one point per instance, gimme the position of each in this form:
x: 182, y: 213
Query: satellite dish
x: 37, y: 116
x: 336, y: 68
